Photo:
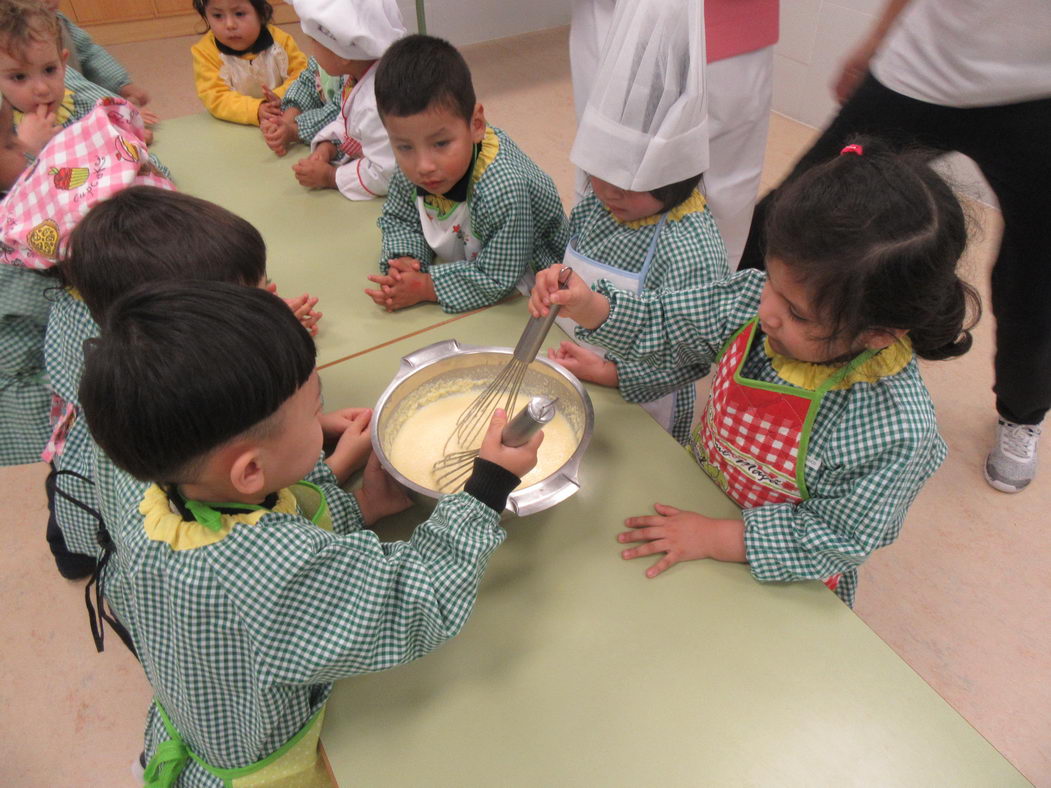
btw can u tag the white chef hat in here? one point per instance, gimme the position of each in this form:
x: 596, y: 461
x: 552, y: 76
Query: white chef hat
x: 645, y: 124
x: 353, y: 29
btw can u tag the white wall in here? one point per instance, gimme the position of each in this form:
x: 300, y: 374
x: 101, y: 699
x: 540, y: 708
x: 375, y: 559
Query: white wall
x: 470, y: 21
x: 816, y: 35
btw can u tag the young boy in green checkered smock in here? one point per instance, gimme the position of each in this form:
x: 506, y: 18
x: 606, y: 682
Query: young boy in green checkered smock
x: 94, y: 62
x: 640, y: 224
x: 468, y: 216
x: 162, y: 235
x: 246, y: 575
x: 310, y: 103
x: 818, y: 425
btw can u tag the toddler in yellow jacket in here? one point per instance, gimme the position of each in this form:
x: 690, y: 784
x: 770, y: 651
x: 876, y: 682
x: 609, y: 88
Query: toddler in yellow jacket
x: 243, y: 63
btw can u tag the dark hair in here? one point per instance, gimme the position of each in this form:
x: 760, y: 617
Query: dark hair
x: 876, y: 239
x: 418, y: 73
x: 183, y: 367
x: 145, y: 234
x: 674, y: 193
x: 263, y: 8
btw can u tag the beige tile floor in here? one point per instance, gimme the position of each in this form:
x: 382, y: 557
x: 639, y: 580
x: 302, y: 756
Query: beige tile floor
x: 964, y: 596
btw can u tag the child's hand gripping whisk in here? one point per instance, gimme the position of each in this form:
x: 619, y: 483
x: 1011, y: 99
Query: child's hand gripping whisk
x: 452, y: 470
x: 504, y: 388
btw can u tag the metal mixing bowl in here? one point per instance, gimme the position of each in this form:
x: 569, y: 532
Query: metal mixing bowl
x: 433, y: 371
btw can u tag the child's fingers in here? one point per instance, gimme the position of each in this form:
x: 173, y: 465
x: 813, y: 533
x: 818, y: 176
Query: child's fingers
x: 646, y: 521
x: 665, y: 563
x: 643, y: 550
x: 376, y: 295
x: 638, y: 535
x: 664, y: 509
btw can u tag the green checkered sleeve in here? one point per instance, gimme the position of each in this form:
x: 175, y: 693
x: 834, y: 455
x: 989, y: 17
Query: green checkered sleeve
x: 348, y: 604
x: 399, y: 223
x: 86, y: 95
x: 689, y: 252
x: 875, y: 445
x: 96, y: 64
x: 315, y: 111
x: 676, y: 328
x: 343, y: 506
x: 25, y: 397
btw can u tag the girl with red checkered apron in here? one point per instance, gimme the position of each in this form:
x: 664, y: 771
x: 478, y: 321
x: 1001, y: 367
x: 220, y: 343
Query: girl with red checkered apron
x: 818, y: 424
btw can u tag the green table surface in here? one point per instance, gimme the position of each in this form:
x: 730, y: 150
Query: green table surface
x: 574, y: 669
x: 318, y: 241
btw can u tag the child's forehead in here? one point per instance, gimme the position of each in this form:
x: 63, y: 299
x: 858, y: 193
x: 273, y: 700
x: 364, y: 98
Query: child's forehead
x: 435, y: 120
x: 35, y: 51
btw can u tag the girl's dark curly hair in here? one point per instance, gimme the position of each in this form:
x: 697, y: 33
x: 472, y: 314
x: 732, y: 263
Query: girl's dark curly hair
x: 876, y: 238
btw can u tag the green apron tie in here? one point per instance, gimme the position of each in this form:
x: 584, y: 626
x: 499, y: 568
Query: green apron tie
x: 167, y: 763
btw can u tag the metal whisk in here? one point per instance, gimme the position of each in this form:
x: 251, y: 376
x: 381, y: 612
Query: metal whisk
x: 505, y: 386
x: 452, y: 470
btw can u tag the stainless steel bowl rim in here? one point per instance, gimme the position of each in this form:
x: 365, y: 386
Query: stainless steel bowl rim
x: 534, y: 498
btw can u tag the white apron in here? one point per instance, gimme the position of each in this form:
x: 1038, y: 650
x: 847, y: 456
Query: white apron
x: 590, y: 270
x: 269, y: 67
x: 451, y: 237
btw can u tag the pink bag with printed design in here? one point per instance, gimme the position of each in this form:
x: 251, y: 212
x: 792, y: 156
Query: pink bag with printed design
x: 82, y: 165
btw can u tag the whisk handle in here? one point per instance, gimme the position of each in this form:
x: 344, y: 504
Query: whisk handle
x: 536, y: 329
x: 534, y: 335
x: 537, y: 412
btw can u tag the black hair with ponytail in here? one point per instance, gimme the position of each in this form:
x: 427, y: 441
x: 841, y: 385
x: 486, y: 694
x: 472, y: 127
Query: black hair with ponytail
x: 875, y: 237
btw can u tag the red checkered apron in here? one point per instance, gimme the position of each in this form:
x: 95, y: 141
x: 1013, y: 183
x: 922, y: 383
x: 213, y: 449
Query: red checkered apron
x: 348, y: 145
x: 753, y: 435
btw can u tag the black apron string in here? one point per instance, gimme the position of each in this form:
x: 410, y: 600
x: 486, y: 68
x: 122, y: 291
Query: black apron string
x: 97, y: 618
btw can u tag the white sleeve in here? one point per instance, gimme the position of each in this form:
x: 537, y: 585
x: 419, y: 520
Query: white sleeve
x: 333, y: 133
x: 369, y: 176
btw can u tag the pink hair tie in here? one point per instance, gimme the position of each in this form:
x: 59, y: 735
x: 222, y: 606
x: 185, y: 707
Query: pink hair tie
x: 857, y: 149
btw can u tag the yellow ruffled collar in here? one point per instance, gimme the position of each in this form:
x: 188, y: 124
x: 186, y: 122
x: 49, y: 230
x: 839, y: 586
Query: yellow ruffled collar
x: 164, y: 525
x: 695, y: 203
x: 806, y: 375
x: 490, y: 146
x: 64, y: 113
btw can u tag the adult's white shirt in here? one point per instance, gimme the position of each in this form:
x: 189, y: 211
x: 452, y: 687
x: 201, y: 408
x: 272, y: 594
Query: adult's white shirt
x: 969, y: 53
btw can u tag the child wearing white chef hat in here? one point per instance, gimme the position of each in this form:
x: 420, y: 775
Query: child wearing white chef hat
x: 642, y: 225
x: 352, y: 153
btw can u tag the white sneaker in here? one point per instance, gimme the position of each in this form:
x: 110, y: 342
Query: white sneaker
x: 138, y: 768
x: 1011, y: 465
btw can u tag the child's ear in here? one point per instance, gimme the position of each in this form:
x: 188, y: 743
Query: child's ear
x: 477, y: 123
x: 880, y: 338
x: 246, y: 471
x: 63, y: 55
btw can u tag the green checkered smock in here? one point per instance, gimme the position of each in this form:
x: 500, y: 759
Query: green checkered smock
x: 317, y: 96
x: 242, y: 639
x: 25, y: 398
x: 872, y: 447
x: 689, y: 252
x: 68, y: 326
x: 90, y: 59
x: 516, y: 214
